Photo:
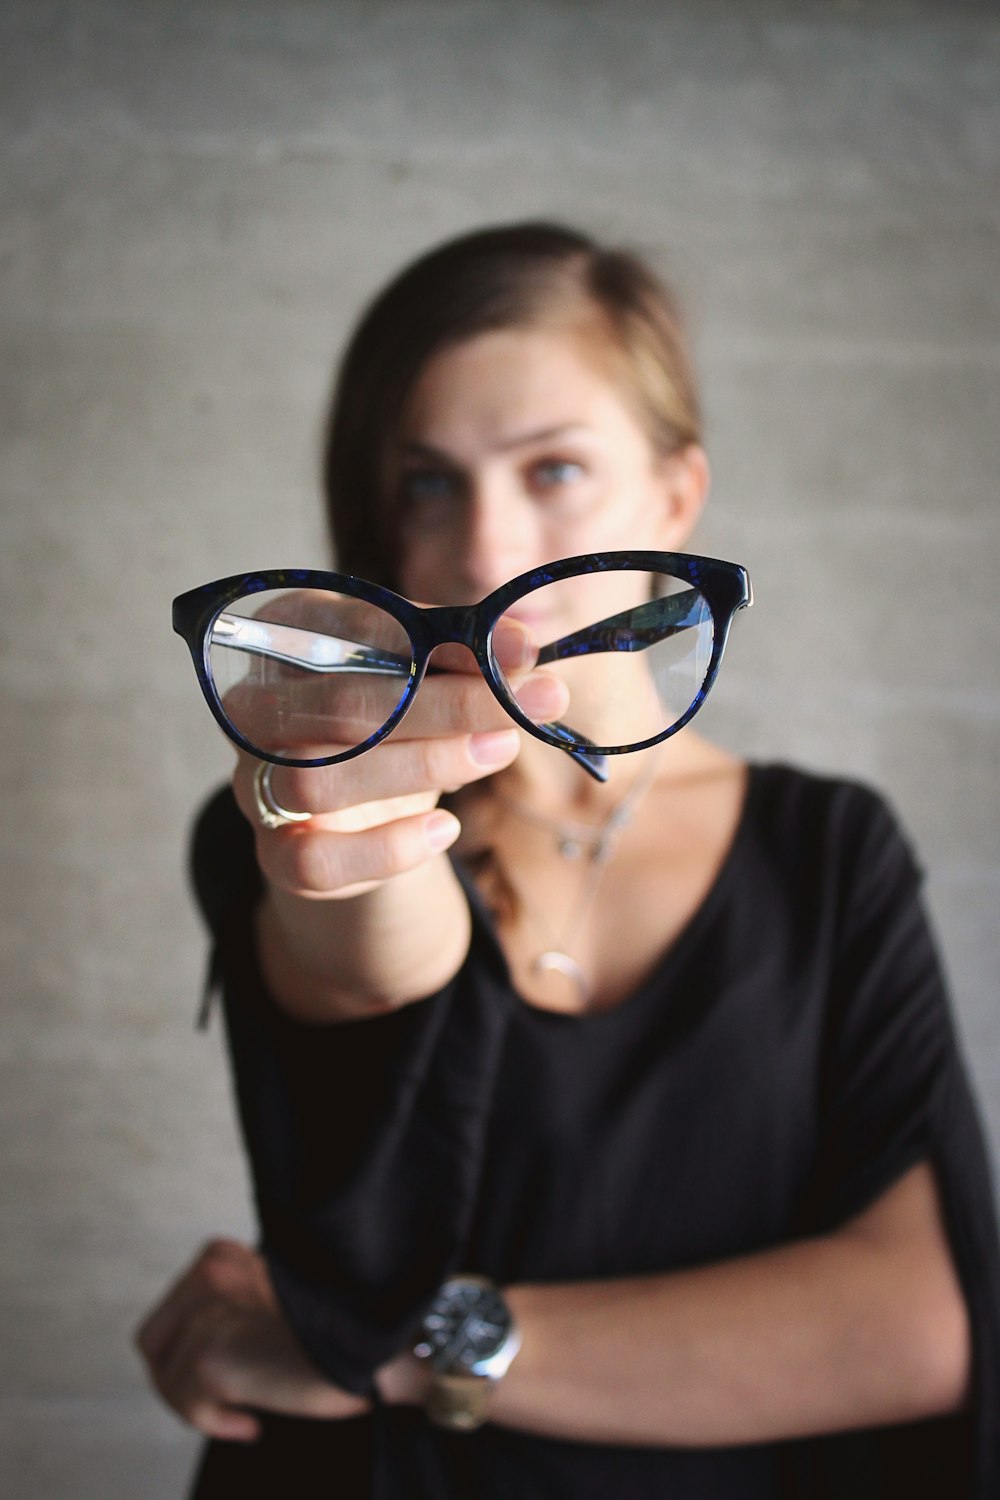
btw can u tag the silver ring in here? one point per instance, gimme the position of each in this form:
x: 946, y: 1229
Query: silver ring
x: 269, y: 809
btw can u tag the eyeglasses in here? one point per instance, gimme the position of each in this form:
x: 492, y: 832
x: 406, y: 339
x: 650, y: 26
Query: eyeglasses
x: 298, y: 661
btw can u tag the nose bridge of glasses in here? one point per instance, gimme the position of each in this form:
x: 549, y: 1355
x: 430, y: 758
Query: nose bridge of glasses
x: 451, y: 624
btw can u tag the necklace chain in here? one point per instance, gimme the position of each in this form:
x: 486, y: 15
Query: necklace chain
x: 573, y: 840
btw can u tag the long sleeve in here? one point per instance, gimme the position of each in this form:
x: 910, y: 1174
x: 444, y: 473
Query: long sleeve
x: 893, y: 1090
x: 364, y: 1137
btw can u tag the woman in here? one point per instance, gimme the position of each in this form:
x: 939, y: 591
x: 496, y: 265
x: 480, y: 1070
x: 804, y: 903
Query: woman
x: 691, y: 1098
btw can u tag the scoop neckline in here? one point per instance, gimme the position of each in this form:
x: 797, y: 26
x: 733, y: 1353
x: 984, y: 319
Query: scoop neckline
x: 703, y: 912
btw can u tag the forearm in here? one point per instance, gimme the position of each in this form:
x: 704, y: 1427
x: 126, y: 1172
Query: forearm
x: 816, y: 1336
x: 346, y: 959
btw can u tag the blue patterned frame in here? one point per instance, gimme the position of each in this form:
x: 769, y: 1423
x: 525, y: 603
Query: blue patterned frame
x: 724, y: 585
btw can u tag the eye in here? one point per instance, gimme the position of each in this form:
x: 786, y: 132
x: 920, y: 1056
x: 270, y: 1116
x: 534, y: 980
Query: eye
x: 553, y: 473
x: 427, y: 485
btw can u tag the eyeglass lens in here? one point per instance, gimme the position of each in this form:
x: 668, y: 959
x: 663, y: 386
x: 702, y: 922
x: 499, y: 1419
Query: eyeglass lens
x: 633, y: 648
x: 309, y: 672
x: 302, y: 671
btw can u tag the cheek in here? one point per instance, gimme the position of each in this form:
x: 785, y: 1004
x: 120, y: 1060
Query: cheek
x: 623, y: 515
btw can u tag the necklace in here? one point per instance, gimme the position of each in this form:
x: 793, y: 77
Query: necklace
x: 575, y: 840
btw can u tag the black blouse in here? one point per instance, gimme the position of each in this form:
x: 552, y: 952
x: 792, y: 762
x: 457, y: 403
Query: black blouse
x: 789, y: 1057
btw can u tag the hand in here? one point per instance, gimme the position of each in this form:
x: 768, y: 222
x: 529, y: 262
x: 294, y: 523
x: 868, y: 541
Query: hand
x: 375, y: 816
x: 218, y: 1345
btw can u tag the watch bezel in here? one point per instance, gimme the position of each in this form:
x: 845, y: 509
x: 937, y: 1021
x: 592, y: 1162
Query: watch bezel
x: 492, y: 1363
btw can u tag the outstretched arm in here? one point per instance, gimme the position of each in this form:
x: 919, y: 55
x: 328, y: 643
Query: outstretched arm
x: 362, y: 912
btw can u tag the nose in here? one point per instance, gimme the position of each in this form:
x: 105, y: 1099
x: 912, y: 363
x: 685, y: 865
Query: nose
x: 498, y: 538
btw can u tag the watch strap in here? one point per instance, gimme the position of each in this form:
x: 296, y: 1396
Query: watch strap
x: 460, y: 1402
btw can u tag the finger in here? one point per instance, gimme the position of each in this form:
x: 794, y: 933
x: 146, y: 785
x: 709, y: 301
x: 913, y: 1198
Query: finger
x: 229, y: 1423
x: 215, y: 1268
x: 398, y: 768
x: 514, y: 649
x: 193, y: 1380
x: 262, y: 1364
x: 352, y: 709
x: 281, y: 706
x: 450, y: 703
x: 312, y: 861
x: 230, y: 1358
x: 158, y: 1332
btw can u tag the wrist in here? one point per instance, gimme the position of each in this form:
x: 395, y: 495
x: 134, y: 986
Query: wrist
x: 467, y: 1342
x: 403, y: 1381
x: 362, y: 956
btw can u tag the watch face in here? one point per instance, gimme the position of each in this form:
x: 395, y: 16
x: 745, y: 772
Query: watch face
x: 467, y: 1324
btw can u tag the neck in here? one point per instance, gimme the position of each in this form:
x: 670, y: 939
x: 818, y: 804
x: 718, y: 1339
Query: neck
x: 550, y: 782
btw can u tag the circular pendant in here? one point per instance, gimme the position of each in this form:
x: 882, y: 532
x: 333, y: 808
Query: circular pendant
x: 555, y: 961
x: 569, y: 847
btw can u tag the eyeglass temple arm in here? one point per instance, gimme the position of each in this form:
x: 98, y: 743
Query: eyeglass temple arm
x: 316, y: 652
x: 597, y: 765
x: 312, y: 650
x: 645, y: 624
x: 319, y: 652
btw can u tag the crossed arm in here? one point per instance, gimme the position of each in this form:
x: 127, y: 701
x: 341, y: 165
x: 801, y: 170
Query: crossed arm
x: 860, y: 1327
x: 863, y: 1326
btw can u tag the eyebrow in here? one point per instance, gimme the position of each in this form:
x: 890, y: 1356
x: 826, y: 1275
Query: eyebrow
x: 519, y: 440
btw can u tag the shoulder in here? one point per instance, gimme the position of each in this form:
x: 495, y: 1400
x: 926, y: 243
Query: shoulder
x: 222, y: 861
x: 838, y: 826
x: 851, y: 809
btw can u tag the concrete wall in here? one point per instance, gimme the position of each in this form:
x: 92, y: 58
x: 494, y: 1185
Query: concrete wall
x: 196, y: 200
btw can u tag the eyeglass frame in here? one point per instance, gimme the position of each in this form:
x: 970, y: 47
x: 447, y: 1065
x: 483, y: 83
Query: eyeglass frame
x: 725, y: 586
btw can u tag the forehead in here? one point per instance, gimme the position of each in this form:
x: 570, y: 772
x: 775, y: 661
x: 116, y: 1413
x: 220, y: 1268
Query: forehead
x: 496, y: 384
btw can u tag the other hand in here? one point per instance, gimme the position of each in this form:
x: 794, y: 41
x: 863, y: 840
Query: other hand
x: 219, y: 1350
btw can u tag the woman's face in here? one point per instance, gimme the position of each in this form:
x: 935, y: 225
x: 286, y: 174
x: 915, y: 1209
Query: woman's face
x: 516, y: 449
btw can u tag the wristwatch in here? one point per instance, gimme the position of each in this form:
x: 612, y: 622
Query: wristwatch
x: 469, y: 1338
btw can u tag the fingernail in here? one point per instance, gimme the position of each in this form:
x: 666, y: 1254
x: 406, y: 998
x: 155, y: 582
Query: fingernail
x: 513, y: 645
x: 493, y: 749
x: 440, y: 830
x: 543, y: 697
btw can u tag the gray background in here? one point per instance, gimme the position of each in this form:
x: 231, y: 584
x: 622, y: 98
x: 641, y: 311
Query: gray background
x: 196, y: 200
